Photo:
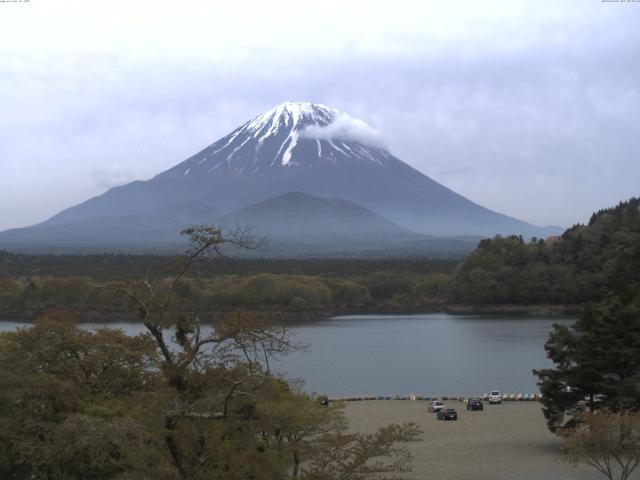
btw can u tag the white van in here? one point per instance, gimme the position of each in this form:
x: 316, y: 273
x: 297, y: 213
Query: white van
x: 495, y: 397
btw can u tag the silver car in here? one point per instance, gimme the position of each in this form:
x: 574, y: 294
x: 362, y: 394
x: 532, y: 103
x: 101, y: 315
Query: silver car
x: 435, y: 406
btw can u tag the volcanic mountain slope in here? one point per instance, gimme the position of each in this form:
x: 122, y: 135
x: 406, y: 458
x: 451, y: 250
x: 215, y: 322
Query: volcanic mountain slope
x: 294, y: 147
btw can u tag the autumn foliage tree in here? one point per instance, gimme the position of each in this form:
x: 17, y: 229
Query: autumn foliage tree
x: 607, y: 441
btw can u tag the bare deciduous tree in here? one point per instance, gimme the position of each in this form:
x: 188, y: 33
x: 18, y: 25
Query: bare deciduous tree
x: 606, y: 441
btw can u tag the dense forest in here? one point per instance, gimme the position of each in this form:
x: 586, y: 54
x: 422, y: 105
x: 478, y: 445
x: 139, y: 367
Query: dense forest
x: 578, y: 267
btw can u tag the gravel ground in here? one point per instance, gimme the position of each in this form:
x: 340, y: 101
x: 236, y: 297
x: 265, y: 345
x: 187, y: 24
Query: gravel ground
x: 508, y: 441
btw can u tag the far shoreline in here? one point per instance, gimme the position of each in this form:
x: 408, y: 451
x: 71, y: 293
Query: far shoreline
x: 533, y: 311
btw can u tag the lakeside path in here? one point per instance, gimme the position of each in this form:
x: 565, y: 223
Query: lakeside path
x: 508, y: 441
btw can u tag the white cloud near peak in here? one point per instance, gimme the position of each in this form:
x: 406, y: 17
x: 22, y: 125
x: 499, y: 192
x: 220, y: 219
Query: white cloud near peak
x: 345, y: 127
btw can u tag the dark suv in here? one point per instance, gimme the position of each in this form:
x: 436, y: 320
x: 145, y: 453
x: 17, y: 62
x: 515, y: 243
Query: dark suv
x: 447, y: 414
x: 475, y: 404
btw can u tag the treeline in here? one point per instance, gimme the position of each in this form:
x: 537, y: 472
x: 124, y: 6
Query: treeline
x: 30, y: 284
x: 297, y: 294
x: 106, y: 267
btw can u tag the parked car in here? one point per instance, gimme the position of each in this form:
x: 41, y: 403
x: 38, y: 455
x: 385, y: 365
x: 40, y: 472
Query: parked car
x: 447, y: 414
x: 475, y: 404
x: 435, y: 406
x: 495, y: 397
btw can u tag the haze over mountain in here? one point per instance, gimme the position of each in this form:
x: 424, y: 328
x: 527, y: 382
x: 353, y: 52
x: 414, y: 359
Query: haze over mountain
x: 347, y: 186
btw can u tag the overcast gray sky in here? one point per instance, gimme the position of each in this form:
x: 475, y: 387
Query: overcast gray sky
x: 531, y: 108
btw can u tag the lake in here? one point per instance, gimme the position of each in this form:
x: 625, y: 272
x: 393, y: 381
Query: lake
x: 432, y: 354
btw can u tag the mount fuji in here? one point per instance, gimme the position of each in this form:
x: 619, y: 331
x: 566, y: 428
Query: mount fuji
x: 301, y: 173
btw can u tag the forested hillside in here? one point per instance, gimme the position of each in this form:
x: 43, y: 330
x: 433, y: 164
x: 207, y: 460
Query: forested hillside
x: 580, y: 266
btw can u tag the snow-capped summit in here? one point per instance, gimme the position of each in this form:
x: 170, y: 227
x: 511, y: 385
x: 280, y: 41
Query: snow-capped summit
x: 295, y: 115
x: 290, y: 134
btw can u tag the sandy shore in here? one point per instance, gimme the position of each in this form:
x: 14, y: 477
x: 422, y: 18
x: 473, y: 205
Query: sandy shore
x: 508, y: 441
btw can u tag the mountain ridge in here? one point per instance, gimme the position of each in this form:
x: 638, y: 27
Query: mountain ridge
x: 297, y: 214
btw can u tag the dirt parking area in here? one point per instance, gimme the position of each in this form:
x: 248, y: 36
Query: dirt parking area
x: 507, y: 441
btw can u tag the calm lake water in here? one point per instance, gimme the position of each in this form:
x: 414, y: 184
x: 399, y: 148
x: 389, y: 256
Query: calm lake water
x: 433, y: 354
